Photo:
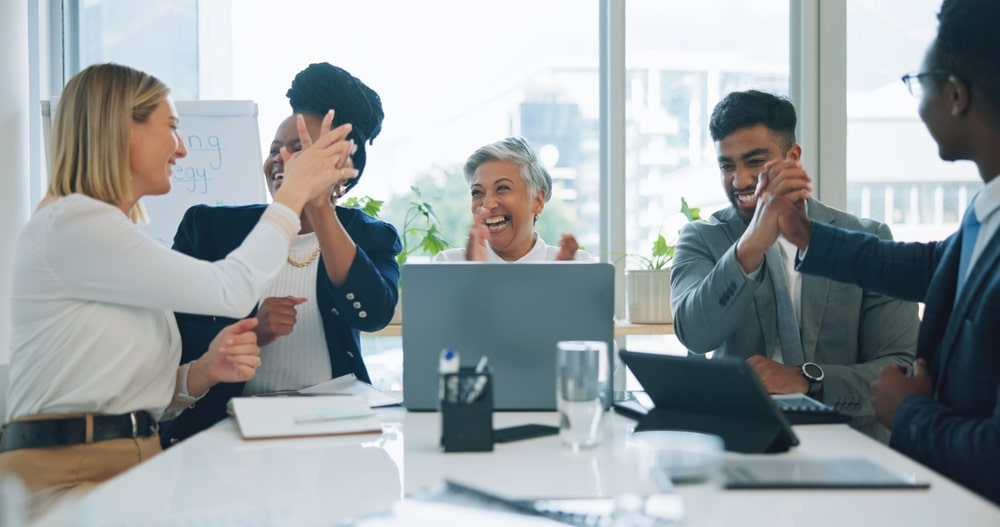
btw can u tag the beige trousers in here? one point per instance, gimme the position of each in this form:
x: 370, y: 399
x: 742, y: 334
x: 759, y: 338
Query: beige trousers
x: 53, y: 475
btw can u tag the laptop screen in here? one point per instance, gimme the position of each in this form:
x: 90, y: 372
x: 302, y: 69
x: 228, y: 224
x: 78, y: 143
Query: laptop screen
x: 512, y: 313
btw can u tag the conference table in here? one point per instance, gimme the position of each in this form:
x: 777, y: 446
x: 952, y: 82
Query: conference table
x: 217, y: 478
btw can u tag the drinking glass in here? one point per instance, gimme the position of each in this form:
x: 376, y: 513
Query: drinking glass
x: 578, y: 392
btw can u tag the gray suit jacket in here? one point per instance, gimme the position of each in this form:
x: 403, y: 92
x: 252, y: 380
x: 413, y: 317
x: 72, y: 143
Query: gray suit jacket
x: 851, y: 332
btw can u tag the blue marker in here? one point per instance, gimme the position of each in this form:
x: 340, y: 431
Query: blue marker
x: 449, y: 361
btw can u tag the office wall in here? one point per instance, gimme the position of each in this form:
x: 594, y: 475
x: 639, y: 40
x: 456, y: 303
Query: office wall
x: 13, y: 147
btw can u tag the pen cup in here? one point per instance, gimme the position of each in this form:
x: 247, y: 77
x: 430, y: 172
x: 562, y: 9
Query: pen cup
x: 467, y: 411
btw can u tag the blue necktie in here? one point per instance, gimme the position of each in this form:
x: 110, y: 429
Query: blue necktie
x: 970, y: 232
x: 788, y: 323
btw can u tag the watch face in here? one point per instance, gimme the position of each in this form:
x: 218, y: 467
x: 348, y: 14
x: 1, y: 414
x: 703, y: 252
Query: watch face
x: 812, y: 371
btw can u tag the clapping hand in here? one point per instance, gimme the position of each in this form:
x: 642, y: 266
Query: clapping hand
x: 475, y: 250
x: 567, y: 247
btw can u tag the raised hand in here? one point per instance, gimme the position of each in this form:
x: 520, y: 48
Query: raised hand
x: 781, y: 182
x: 475, y: 250
x: 567, y: 247
x: 319, y: 166
x: 277, y: 317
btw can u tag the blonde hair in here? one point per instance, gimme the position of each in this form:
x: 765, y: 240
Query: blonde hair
x: 91, y: 128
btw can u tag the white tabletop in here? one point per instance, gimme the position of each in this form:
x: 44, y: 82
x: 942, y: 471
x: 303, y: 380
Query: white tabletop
x: 216, y: 478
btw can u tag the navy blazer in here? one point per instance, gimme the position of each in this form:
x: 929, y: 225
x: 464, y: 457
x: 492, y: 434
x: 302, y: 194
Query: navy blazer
x: 957, y: 431
x: 211, y: 233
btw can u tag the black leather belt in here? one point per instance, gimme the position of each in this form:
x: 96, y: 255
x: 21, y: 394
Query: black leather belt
x: 73, y: 431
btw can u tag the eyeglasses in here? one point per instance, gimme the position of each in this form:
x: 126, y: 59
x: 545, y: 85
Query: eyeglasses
x: 912, y: 80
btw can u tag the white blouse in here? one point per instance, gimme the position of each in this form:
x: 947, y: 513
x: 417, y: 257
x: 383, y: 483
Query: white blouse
x: 540, y: 252
x: 93, y: 299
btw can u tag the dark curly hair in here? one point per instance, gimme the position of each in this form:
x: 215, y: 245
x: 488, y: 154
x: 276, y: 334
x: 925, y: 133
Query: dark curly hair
x: 968, y: 45
x: 743, y: 109
x: 323, y: 86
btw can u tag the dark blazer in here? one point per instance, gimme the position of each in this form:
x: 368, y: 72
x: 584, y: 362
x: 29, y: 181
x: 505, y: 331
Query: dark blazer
x: 852, y: 332
x: 957, y: 431
x: 365, y: 302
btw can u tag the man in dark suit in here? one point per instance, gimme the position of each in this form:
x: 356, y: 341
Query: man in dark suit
x: 946, y: 413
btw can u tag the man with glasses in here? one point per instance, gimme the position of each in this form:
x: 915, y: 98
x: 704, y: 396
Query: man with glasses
x: 734, y: 289
x: 946, y: 414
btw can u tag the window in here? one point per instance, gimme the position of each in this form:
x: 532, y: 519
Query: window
x: 681, y: 59
x: 894, y: 174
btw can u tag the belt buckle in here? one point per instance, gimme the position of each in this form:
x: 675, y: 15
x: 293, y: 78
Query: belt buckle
x: 135, y: 424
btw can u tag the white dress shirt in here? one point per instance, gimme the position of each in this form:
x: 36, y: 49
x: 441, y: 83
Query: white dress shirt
x: 985, y: 207
x: 93, y: 299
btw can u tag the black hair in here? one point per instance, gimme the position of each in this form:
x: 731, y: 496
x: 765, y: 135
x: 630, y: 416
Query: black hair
x: 968, y: 45
x: 322, y: 87
x: 744, y: 109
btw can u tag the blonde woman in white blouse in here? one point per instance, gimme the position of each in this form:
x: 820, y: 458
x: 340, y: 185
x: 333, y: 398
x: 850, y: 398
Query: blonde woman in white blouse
x: 95, y: 348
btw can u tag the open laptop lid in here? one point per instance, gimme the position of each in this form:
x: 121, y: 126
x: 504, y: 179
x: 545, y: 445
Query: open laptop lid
x: 718, y: 396
x: 512, y: 313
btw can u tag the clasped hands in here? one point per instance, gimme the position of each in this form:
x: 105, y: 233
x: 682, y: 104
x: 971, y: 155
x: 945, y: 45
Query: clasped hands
x: 782, y: 188
x: 328, y: 159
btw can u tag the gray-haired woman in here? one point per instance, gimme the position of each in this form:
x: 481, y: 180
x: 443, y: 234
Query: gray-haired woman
x: 509, y: 190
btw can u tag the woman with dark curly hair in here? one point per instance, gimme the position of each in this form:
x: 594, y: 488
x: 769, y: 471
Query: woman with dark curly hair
x: 341, y: 274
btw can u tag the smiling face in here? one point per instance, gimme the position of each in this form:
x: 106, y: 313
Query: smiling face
x: 938, y: 110
x: 154, y: 147
x: 742, y: 156
x: 499, y: 187
x: 287, y: 136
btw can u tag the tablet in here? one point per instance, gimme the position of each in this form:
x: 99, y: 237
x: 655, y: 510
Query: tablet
x: 718, y: 396
x: 814, y: 474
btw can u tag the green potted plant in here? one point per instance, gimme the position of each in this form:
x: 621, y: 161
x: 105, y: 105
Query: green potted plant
x: 420, y: 231
x: 647, y: 288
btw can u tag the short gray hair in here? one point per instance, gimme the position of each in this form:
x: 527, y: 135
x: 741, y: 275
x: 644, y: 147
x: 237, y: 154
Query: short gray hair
x: 516, y: 150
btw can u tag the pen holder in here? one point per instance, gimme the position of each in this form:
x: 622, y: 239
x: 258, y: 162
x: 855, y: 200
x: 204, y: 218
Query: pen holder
x: 467, y: 411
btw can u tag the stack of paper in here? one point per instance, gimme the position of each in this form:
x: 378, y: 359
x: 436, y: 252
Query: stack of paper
x: 350, y: 385
x: 260, y: 417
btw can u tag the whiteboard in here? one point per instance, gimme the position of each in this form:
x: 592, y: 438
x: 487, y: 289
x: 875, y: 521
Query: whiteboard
x: 222, y: 167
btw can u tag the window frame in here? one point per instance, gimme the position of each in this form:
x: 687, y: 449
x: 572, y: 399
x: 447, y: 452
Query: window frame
x: 817, y: 79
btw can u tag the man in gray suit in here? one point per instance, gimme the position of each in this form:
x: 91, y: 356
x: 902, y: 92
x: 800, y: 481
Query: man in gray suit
x: 736, y: 292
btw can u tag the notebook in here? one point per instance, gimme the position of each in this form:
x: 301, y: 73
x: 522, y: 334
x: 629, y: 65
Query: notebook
x: 512, y: 313
x: 263, y: 417
x: 718, y: 396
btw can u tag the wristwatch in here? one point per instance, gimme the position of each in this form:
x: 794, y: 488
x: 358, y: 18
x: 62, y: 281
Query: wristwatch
x: 814, y: 374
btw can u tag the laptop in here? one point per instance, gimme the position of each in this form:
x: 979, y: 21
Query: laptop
x: 514, y: 314
x: 718, y: 396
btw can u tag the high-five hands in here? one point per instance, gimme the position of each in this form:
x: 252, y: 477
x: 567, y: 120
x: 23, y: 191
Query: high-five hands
x: 782, y: 186
x: 319, y: 166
